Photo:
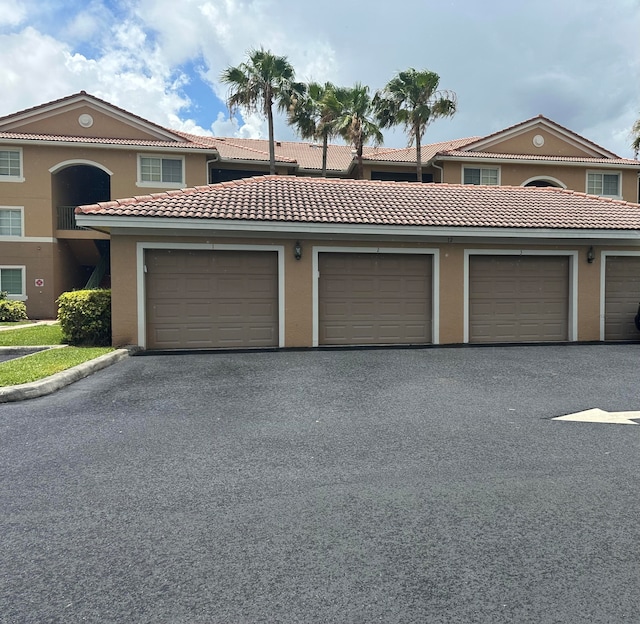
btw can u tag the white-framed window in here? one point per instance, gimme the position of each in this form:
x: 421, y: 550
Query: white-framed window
x: 11, y: 221
x: 11, y: 165
x: 160, y: 171
x: 603, y: 183
x: 481, y: 175
x: 12, y: 281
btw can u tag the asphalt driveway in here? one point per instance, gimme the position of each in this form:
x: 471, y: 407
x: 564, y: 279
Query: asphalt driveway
x: 327, y: 486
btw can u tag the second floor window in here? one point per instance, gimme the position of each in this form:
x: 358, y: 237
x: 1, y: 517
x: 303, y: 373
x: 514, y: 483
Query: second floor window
x: 161, y: 170
x: 10, y: 165
x: 485, y: 175
x: 606, y: 184
x: 10, y: 222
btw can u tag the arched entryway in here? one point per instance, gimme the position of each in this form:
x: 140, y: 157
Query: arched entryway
x: 544, y: 182
x: 84, y: 254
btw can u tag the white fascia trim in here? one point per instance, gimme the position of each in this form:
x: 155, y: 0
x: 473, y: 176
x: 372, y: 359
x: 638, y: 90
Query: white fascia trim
x: 435, y: 253
x: 207, y: 226
x: 603, y: 282
x: 573, y: 281
x: 181, y: 148
x: 141, y: 247
x: 527, y: 161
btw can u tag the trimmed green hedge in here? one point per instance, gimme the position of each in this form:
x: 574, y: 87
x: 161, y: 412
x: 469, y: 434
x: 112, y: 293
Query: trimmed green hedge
x: 85, y: 317
x: 11, y: 311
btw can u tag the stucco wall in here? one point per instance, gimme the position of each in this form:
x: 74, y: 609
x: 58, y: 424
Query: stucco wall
x: 298, y: 308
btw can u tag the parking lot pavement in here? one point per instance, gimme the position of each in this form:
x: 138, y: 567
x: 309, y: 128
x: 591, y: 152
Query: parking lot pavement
x: 425, y: 485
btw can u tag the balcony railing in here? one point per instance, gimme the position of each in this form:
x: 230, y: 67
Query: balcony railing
x: 67, y: 219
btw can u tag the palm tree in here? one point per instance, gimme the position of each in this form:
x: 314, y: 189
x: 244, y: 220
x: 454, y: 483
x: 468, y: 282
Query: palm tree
x: 413, y: 100
x: 635, y: 131
x: 259, y: 83
x: 354, y: 119
x: 313, y: 117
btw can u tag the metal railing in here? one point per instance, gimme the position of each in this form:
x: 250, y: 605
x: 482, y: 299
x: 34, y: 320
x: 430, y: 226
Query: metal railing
x: 67, y: 218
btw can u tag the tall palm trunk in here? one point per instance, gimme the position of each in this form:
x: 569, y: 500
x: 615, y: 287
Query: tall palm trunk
x: 325, y: 149
x: 418, y: 155
x: 272, y: 143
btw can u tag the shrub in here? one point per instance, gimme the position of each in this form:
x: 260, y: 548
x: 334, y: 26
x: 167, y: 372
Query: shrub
x: 11, y: 311
x: 85, y: 317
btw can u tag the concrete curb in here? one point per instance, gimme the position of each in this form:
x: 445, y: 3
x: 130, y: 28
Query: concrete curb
x: 60, y: 380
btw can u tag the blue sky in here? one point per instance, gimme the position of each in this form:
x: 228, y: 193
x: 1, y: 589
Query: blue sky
x: 575, y: 61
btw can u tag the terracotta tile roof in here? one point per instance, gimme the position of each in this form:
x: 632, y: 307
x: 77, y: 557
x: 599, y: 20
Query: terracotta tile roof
x: 408, y: 154
x: 339, y: 201
x: 178, y: 145
x: 538, y: 157
x: 307, y: 154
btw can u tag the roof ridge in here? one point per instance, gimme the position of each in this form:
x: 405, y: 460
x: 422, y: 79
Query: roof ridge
x: 228, y: 141
x: 553, y: 123
x: 84, y: 94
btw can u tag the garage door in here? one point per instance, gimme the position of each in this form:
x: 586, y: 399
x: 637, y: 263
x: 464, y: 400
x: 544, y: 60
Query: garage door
x: 374, y: 299
x: 622, y: 295
x: 518, y: 298
x: 211, y: 299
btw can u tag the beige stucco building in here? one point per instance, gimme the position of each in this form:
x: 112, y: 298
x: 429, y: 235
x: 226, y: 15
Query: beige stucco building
x: 81, y: 150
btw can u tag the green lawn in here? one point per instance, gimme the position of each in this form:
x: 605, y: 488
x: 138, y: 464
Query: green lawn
x: 44, y: 363
x: 31, y: 336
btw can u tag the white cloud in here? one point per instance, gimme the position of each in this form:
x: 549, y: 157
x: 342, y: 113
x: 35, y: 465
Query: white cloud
x: 507, y: 63
x: 12, y: 13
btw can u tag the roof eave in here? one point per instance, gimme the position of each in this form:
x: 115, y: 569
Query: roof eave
x: 180, y: 225
x: 530, y: 161
x: 179, y: 146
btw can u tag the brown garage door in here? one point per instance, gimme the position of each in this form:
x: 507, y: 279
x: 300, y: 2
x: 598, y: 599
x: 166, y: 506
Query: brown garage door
x: 374, y: 299
x: 518, y: 298
x: 622, y: 295
x: 211, y: 299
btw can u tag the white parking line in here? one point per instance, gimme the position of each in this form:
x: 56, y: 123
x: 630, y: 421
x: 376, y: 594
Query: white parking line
x: 596, y: 415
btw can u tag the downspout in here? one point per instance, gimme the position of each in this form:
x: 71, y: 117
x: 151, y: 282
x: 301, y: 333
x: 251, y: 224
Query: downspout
x: 207, y: 163
x: 433, y: 164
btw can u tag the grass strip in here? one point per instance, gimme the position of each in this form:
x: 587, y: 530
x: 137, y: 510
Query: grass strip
x: 31, y: 336
x: 44, y: 363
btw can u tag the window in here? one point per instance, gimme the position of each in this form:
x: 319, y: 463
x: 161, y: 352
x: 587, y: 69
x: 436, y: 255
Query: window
x: 10, y: 165
x: 480, y: 176
x: 607, y: 184
x: 10, y: 221
x: 11, y: 281
x: 156, y: 171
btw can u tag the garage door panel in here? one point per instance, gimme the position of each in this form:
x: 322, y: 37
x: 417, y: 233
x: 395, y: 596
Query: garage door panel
x: 211, y: 299
x: 374, y: 298
x: 518, y: 299
x: 622, y: 295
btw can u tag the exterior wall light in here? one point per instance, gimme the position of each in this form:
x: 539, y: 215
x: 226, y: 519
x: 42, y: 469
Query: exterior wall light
x: 591, y: 256
x: 297, y: 250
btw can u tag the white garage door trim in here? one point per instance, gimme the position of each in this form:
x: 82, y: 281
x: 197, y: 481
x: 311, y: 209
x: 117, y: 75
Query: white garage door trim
x: 141, y: 247
x: 603, y: 282
x: 435, y: 253
x: 573, y: 281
